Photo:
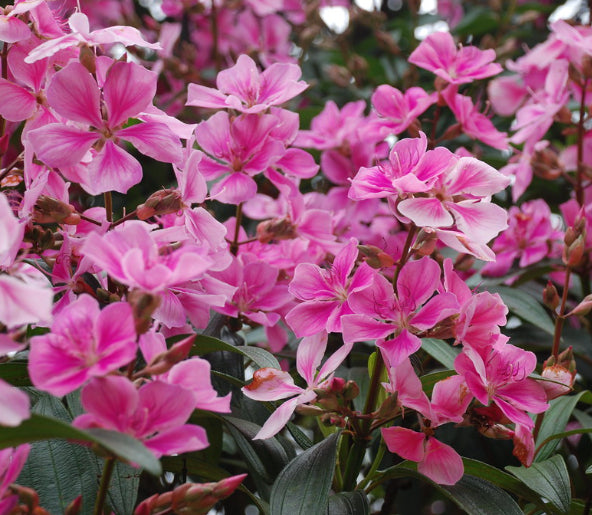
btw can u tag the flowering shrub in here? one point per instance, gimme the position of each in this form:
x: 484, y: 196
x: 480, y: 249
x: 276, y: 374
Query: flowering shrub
x: 250, y: 258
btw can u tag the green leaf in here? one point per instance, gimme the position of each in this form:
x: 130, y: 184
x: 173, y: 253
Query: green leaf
x: 266, y: 457
x: 58, y: 470
x: 15, y: 373
x: 123, y: 488
x: 525, y: 306
x: 349, y: 503
x: 548, y: 478
x: 40, y: 427
x: 302, y: 488
x: 441, y: 351
x: 206, y: 344
x: 477, y: 21
x: 502, y: 479
x: 589, y: 470
x: 556, y: 418
x: 474, y: 495
x: 428, y: 381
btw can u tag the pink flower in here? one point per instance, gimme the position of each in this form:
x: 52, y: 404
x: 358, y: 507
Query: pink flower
x: 155, y: 413
x: 379, y: 312
x: 271, y: 384
x: 438, y: 54
x: 243, y: 88
x: 399, y: 110
x: 81, y: 35
x: 74, y: 94
x: 325, y: 292
x: 84, y: 342
x: 12, y: 460
x: 500, y: 374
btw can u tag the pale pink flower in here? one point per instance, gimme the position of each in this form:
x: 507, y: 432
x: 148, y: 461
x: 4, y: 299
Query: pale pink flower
x: 245, y: 89
x: 155, y: 413
x: 80, y: 34
x: 399, y: 110
x: 325, y: 292
x: 84, y: 342
x: 271, y: 384
x: 15, y: 406
x: 438, y: 54
x: 12, y: 460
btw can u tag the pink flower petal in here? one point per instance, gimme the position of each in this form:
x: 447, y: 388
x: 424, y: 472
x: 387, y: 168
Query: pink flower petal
x: 59, y: 145
x: 155, y: 140
x: 425, y: 212
x: 441, y: 464
x: 113, y: 169
x: 405, y: 442
x: 17, y: 103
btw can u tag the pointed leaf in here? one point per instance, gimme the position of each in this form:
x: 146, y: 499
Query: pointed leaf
x: 525, y: 306
x: 349, y: 503
x: 550, y: 479
x: 556, y: 418
x: 441, y: 351
x: 302, y: 488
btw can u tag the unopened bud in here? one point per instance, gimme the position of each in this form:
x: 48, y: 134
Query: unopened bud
x: 573, y: 254
x: 583, y: 308
x: 587, y: 66
x: 376, y: 257
x: 452, y: 132
x: 50, y: 210
x: 559, y: 381
x: 425, y: 243
x: 164, y: 361
x: 74, y: 507
x: 574, y: 74
x: 351, y: 390
x: 551, y: 297
x: 389, y: 408
x: 387, y: 42
x: 308, y: 410
x: 496, y: 431
x: 88, y: 59
x: 162, y: 202
x: 143, y: 306
x: 275, y: 230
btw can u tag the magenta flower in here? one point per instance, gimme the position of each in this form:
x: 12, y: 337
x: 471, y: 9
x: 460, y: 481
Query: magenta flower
x: 155, y: 413
x: 84, y: 342
x: 245, y: 89
x: 379, y: 312
x: 74, y: 94
x: 12, y: 460
x: 438, y: 54
x: 325, y: 292
x: 399, y: 110
x: 500, y: 374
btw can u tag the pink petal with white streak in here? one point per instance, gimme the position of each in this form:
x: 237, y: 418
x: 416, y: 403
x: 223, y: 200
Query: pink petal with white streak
x: 113, y: 169
x: 59, y: 145
x: 17, y: 103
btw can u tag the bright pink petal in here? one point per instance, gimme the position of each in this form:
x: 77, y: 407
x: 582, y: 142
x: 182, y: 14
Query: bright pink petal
x: 113, y: 169
x: 202, y: 96
x: 73, y: 92
x: 234, y: 189
x: 281, y: 416
x: 441, y: 464
x: 359, y: 328
x: 12, y: 29
x: 400, y: 347
x: 123, y: 101
x: 436, y: 310
x: 23, y: 302
x: 17, y: 103
x: 15, y: 405
x: 480, y: 221
x: 417, y: 281
x: 405, y: 442
x: 178, y: 440
x: 310, y: 317
x: 165, y: 405
x: 59, y: 145
x: 155, y: 140
x: 309, y: 355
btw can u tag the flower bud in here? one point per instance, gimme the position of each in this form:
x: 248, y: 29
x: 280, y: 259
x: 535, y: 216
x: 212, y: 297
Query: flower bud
x: 143, y: 306
x: 308, y: 410
x: 88, y: 59
x: 74, y: 507
x: 162, y: 202
x: 587, y: 66
x: 550, y: 296
x: 573, y: 254
x: 276, y: 229
x: 351, y: 390
x: 50, y: 210
x: 376, y: 257
x: 560, y: 381
x: 583, y: 308
x: 164, y: 361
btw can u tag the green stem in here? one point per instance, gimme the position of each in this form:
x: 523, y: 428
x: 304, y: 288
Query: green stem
x: 374, y: 467
x: 561, y: 315
x: 354, y: 463
x: 104, y: 486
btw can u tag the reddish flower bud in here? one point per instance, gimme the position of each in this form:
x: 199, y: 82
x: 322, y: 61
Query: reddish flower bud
x: 50, y: 210
x: 162, y: 202
x: 550, y: 296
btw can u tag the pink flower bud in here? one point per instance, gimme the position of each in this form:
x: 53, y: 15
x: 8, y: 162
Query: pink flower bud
x: 559, y: 381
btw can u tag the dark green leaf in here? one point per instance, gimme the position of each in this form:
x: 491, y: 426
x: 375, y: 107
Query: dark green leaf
x: 15, y: 373
x: 123, y: 488
x: 302, y: 488
x: 349, y: 503
x: 40, y: 427
x: 477, y: 21
x: 440, y: 351
x: 474, y: 495
x: 58, y: 470
x: 556, y: 418
x: 525, y: 306
x: 206, y: 344
x: 548, y: 478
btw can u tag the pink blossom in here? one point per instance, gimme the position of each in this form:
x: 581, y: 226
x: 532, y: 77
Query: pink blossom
x: 243, y: 88
x: 80, y: 34
x: 12, y: 460
x: 530, y: 238
x: 84, y: 342
x: 271, y: 384
x: 11, y: 233
x: 74, y: 94
x: 379, y: 312
x: 399, y: 110
x: 155, y: 413
x: 325, y: 292
x: 438, y: 54
x: 500, y: 374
